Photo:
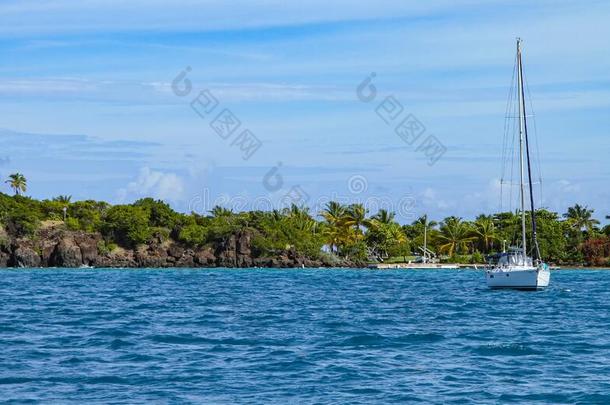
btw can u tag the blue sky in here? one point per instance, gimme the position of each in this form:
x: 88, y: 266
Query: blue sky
x: 88, y: 109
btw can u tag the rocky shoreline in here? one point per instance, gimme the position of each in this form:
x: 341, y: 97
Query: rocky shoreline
x: 58, y: 247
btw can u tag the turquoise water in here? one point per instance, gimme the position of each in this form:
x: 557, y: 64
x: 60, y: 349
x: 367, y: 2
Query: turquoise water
x: 301, y: 336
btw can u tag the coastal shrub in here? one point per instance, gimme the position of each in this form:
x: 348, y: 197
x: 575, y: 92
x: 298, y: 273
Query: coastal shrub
x: 88, y: 213
x: 72, y: 224
x: 222, y: 227
x: 330, y: 259
x: 596, y: 251
x: 193, y: 235
x: 289, y: 229
x: 159, y: 213
x: 104, y: 247
x: 4, y: 243
x: 19, y: 215
x: 460, y: 259
x: 402, y: 249
x: 400, y: 259
x: 21, y: 223
x: 159, y: 234
x: 302, y: 242
x: 356, y: 251
x: 52, y: 210
x: 127, y: 225
x: 263, y: 246
x: 477, y: 258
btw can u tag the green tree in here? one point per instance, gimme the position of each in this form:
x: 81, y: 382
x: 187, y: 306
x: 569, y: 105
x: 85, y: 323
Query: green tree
x: 17, y: 182
x: 219, y: 211
x: 335, y: 231
x: 20, y: 222
x: 194, y: 235
x: 63, y: 199
x: 384, y: 216
x: 455, y: 236
x: 88, y: 214
x: 415, y: 233
x: 224, y: 223
x: 127, y: 225
x: 508, y: 227
x: 485, y: 232
x: 159, y: 213
x: 552, y: 238
x: 355, y: 215
x: 385, y: 237
x: 581, y: 218
x: 291, y: 229
x: 333, y: 213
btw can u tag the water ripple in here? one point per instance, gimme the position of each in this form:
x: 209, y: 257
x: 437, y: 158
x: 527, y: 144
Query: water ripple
x: 306, y: 336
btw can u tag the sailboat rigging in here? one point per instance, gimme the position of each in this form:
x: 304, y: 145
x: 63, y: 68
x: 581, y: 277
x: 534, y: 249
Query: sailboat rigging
x: 515, y: 269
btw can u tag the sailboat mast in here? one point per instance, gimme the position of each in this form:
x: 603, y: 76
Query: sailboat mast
x: 521, y: 145
x: 425, y: 239
x: 535, y: 249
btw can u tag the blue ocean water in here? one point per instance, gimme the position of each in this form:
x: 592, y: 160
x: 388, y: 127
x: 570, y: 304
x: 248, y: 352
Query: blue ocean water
x: 301, y: 336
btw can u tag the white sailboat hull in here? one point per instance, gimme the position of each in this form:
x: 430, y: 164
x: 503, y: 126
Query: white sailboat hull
x: 519, y: 277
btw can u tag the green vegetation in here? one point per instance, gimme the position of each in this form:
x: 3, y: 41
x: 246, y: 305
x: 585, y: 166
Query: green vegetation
x: 339, y: 231
x: 17, y: 182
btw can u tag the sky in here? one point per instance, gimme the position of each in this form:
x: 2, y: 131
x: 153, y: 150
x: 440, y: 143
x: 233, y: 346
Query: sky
x: 117, y: 100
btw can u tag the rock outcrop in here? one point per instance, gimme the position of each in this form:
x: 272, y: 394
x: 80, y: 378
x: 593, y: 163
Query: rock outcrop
x: 58, y: 247
x: 24, y: 255
x: 66, y: 254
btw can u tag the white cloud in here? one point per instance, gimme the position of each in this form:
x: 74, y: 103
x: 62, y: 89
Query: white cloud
x: 156, y: 184
x: 430, y: 199
x: 566, y: 186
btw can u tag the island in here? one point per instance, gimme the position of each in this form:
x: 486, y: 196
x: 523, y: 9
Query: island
x: 59, y: 232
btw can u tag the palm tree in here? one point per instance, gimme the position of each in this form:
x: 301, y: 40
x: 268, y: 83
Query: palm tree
x: 300, y: 218
x: 396, y: 234
x: 64, y: 199
x: 219, y: 211
x: 423, y: 221
x: 485, y: 230
x: 455, y: 235
x: 384, y: 216
x: 344, y: 225
x: 414, y: 232
x: 355, y: 216
x: 335, y: 232
x: 333, y: 212
x: 332, y: 236
x: 580, y: 218
x: 17, y: 182
x: 383, y: 233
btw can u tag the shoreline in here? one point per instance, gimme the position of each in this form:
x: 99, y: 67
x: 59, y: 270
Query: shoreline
x: 149, y: 234
x: 448, y: 266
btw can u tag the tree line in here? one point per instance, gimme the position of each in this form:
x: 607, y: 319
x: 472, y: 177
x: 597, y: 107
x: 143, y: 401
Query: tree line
x: 340, y: 230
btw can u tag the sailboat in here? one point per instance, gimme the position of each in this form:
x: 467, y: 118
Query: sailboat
x: 515, y: 269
